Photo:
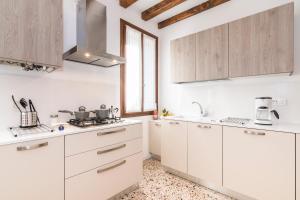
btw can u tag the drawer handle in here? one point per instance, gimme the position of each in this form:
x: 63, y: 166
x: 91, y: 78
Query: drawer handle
x: 112, y: 149
x: 254, y: 133
x: 111, y: 132
x: 205, y: 126
x: 172, y: 123
x: 99, y: 171
x: 36, y: 146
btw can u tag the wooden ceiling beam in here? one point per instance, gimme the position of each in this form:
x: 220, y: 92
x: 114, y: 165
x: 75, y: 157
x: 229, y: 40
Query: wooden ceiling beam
x: 159, y: 8
x: 191, y: 12
x: 127, y: 3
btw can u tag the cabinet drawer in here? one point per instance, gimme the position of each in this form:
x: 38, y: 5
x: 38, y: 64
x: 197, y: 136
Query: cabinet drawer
x: 83, y: 142
x: 90, y: 160
x: 259, y: 164
x: 106, y: 181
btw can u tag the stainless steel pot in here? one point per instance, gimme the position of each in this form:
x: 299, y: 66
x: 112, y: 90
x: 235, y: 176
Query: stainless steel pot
x: 81, y: 114
x: 28, y: 119
x: 103, y: 113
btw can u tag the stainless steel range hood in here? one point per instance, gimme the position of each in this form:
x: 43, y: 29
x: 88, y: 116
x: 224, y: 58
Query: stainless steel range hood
x: 91, y: 36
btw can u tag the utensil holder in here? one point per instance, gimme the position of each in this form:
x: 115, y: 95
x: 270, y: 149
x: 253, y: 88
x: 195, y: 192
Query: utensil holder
x: 28, y: 119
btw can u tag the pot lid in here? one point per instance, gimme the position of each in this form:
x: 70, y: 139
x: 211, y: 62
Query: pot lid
x: 82, y: 109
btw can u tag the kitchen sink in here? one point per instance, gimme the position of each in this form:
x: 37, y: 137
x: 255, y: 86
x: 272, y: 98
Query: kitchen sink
x: 193, y: 119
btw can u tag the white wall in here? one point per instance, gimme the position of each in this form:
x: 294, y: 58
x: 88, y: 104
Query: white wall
x: 234, y: 97
x: 75, y: 85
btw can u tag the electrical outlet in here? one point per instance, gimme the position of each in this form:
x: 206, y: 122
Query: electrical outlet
x: 280, y: 102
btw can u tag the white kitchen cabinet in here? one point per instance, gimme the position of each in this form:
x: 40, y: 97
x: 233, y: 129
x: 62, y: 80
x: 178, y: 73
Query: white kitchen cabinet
x: 102, y: 163
x: 205, y: 152
x: 155, y: 131
x: 32, y: 170
x: 106, y: 181
x: 298, y: 167
x: 259, y: 164
x: 174, y: 145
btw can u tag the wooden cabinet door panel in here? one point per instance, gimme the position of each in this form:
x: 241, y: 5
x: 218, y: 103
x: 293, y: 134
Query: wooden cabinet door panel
x: 212, y: 54
x: 262, y: 43
x: 47, y: 43
x: 32, y: 31
x: 12, y: 37
x: 183, y: 59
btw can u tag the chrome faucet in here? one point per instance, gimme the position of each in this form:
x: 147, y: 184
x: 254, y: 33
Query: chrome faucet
x: 202, y: 111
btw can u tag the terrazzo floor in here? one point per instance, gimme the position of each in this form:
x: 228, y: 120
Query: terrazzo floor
x: 159, y: 185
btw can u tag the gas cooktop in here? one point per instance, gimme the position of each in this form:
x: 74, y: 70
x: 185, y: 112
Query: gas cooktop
x: 94, y: 122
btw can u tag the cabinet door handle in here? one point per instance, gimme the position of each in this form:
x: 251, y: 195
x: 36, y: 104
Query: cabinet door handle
x: 174, y: 123
x: 99, y: 171
x: 36, y: 146
x: 112, y: 149
x: 204, y: 126
x: 254, y: 133
x: 111, y: 132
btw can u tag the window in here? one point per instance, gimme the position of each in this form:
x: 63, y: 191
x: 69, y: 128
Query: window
x: 139, y: 74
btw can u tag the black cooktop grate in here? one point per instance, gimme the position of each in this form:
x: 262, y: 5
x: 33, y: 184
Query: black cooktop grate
x: 94, y: 122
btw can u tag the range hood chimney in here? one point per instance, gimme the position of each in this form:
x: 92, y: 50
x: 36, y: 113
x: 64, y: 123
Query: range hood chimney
x: 91, y: 36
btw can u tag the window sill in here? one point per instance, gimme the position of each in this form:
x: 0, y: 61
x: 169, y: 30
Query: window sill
x: 137, y: 114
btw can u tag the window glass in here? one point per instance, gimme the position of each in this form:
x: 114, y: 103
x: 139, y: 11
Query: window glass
x: 149, y: 73
x: 133, y: 70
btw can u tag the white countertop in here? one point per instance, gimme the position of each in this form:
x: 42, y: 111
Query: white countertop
x: 6, y: 137
x: 277, y: 127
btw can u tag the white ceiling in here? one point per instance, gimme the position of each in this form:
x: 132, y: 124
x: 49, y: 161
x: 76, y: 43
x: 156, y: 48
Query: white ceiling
x: 142, y: 5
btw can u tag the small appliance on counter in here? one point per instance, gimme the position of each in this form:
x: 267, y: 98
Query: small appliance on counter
x: 264, y: 111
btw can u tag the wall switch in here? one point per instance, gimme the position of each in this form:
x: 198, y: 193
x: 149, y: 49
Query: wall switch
x: 280, y: 102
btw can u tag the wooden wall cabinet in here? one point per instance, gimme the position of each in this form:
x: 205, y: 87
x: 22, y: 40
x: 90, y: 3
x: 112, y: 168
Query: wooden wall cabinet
x: 262, y: 43
x: 32, y: 31
x: 259, y: 164
x: 33, y: 170
x: 212, y: 54
x: 257, y: 45
x: 205, y: 152
x: 183, y: 59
